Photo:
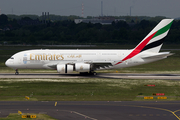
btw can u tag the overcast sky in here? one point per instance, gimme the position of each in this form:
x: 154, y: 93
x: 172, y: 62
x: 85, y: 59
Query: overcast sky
x: 168, y: 8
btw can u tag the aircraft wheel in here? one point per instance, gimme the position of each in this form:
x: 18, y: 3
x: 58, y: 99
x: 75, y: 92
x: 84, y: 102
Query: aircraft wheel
x: 16, y: 73
x: 83, y: 73
x: 94, y: 73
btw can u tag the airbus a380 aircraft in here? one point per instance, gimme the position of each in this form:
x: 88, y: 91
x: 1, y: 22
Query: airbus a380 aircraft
x: 83, y: 61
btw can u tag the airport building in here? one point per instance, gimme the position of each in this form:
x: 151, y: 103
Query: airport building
x: 104, y: 20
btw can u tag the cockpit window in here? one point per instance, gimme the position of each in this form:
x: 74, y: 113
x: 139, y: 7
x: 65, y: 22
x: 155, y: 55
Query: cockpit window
x: 12, y: 58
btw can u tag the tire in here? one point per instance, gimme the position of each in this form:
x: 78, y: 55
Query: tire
x: 17, y: 73
x: 94, y: 73
x: 83, y: 73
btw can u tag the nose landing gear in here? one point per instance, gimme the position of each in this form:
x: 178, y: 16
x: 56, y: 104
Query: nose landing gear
x: 16, y: 73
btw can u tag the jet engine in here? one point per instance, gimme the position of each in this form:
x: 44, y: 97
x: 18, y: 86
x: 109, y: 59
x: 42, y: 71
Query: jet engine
x: 62, y: 68
x: 79, y: 67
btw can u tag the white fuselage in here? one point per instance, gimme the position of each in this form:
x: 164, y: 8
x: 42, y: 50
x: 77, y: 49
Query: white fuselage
x: 46, y: 59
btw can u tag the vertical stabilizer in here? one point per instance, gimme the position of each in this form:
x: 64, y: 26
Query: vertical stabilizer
x: 154, y: 40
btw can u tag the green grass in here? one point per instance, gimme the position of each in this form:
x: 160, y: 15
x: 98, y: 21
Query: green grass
x: 16, y: 116
x: 85, y: 89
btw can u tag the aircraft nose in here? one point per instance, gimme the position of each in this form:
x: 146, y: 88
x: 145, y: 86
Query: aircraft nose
x: 8, y: 63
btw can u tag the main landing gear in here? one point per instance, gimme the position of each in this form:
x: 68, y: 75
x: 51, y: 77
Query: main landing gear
x: 16, y: 73
x: 88, y: 73
x: 94, y: 73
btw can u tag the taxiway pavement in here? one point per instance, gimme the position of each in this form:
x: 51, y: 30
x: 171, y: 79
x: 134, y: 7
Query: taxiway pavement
x: 99, y: 75
x: 96, y: 110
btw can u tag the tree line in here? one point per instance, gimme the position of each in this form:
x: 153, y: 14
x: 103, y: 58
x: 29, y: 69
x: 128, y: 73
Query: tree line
x: 36, y: 32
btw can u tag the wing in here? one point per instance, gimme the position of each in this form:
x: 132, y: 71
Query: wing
x: 95, y: 65
x: 100, y: 64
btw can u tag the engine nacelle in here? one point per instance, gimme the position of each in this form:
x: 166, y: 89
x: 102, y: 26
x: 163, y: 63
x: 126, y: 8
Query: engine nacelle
x: 81, y: 67
x: 62, y: 68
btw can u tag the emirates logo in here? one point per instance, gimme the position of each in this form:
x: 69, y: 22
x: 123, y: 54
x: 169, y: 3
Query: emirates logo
x: 81, y: 68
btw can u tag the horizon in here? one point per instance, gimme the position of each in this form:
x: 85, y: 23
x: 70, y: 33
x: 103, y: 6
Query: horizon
x: 84, y: 17
x: 92, y: 8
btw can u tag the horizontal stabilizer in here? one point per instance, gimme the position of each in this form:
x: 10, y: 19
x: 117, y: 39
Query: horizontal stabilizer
x: 102, y: 62
x: 157, y: 56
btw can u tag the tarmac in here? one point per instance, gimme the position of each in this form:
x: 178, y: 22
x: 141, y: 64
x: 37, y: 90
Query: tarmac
x: 99, y: 75
x: 96, y: 110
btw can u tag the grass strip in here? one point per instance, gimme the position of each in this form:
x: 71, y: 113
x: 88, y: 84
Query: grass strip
x: 97, y: 89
